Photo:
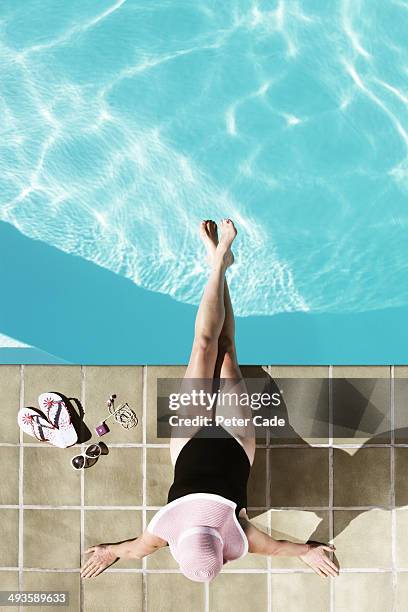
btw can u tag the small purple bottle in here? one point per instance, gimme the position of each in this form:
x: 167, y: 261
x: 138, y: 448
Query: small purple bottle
x: 102, y: 429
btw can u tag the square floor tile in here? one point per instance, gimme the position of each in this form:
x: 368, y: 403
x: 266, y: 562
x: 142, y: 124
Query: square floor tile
x: 162, y: 558
x: 371, y: 592
x: 299, y: 477
x: 153, y: 373
x: 401, y: 372
x: 298, y: 526
x: 160, y: 475
x: 259, y: 381
x: 401, y: 468
x: 57, y: 378
x: 51, y: 539
x: 361, y: 410
x: 113, y: 526
x: 9, y: 403
x: 257, y: 484
x: 8, y: 538
x: 243, y: 592
x: 251, y: 561
x: 351, y: 528
x: 158, y: 412
x: 298, y: 371
x: 401, y: 405
x: 306, y: 410
x: 9, y: 461
x: 116, y: 479
x: 402, y: 592
x: 113, y: 591
x: 9, y: 582
x: 170, y: 592
x: 126, y: 383
x: 361, y: 372
x: 49, y: 478
x: 362, y: 479
x: 402, y: 537
x: 300, y: 593
x: 254, y: 371
x: 54, y: 581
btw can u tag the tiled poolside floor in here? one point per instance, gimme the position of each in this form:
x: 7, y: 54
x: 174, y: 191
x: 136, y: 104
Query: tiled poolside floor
x: 341, y: 486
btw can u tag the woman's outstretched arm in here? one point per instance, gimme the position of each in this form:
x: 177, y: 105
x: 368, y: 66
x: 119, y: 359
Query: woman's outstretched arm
x: 312, y: 554
x: 104, y: 555
x: 140, y: 547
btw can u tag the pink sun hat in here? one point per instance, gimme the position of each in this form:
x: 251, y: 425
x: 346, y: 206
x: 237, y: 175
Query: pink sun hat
x: 203, y: 533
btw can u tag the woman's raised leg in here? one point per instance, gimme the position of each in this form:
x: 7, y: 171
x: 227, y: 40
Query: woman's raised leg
x: 210, y: 319
x: 228, y: 370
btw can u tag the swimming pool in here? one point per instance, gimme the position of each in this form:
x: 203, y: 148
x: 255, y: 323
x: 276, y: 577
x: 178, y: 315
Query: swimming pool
x: 125, y: 123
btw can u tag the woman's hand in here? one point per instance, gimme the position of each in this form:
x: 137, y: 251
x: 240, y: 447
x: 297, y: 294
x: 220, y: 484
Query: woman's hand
x: 102, y: 557
x: 316, y: 558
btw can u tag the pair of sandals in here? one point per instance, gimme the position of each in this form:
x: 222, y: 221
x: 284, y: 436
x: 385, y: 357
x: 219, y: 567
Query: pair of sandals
x: 51, y: 423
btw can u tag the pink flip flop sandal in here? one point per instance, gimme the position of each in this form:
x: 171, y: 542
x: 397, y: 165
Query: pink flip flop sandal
x: 57, y: 413
x: 37, y: 426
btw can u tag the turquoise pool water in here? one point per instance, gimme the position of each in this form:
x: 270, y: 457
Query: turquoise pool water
x: 124, y: 123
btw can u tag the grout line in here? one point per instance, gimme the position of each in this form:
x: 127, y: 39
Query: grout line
x: 155, y: 508
x: 82, y: 511
x: 320, y: 508
x: 79, y: 446
x: 78, y: 507
x: 268, y: 501
x: 144, y: 482
x: 206, y: 597
x: 31, y: 507
x: 21, y: 494
x: 258, y: 446
x: 393, y: 510
x: 269, y: 566
x: 331, y: 479
x: 268, y: 476
x: 354, y: 570
x: 334, y: 445
x: 349, y: 570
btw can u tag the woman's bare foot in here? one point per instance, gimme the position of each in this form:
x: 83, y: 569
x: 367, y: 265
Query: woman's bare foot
x: 223, y: 251
x: 209, y: 235
x: 218, y: 249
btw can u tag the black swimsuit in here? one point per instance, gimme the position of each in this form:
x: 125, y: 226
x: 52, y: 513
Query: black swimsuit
x: 216, y: 465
